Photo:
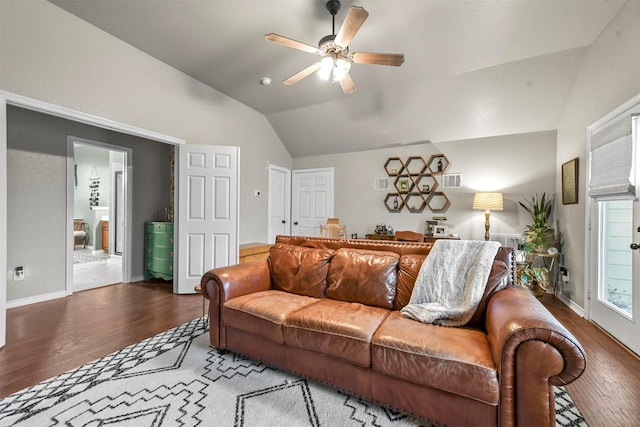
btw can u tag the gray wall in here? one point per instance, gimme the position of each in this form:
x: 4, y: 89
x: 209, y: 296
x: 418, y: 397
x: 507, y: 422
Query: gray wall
x: 51, y: 55
x: 516, y: 165
x: 36, y: 202
x: 609, y: 76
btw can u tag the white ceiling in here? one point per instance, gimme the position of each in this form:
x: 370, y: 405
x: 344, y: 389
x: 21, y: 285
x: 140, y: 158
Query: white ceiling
x: 473, y: 68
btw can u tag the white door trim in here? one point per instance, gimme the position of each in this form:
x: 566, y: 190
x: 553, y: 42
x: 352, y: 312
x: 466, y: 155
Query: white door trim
x: 128, y: 204
x: 287, y: 201
x: 8, y: 98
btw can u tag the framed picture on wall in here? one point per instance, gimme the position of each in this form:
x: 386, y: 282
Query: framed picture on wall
x: 570, y: 182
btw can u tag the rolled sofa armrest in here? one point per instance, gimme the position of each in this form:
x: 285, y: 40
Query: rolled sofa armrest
x: 221, y: 284
x: 532, y: 352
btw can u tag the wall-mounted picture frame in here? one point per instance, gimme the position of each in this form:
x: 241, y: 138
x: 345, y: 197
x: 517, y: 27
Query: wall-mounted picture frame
x: 440, y: 231
x: 428, y: 228
x: 403, y: 185
x: 570, y: 182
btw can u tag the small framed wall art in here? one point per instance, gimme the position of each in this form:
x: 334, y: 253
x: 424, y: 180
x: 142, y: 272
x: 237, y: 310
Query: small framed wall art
x: 570, y: 182
x: 403, y: 185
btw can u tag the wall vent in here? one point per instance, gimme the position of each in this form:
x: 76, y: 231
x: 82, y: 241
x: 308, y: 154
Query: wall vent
x: 381, y: 184
x: 452, y: 180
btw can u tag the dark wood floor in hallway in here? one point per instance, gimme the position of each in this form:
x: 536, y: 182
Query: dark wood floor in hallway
x: 49, y: 338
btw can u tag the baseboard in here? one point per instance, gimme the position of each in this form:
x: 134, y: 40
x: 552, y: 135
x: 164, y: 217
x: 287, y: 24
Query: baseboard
x: 572, y: 305
x: 137, y: 278
x: 33, y: 300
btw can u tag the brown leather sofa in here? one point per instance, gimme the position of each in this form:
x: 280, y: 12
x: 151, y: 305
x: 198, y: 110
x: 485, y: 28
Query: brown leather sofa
x: 328, y: 309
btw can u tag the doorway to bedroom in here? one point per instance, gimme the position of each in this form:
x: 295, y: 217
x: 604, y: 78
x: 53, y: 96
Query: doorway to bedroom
x: 99, y: 197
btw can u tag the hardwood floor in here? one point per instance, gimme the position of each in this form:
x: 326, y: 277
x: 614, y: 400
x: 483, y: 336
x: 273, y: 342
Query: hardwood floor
x: 47, y: 339
x: 608, y: 393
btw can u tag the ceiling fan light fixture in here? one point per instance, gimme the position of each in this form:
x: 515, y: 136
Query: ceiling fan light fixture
x: 333, y: 68
x: 326, y: 67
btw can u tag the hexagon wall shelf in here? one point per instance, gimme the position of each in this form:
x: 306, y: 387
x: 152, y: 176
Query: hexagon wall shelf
x: 416, y: 183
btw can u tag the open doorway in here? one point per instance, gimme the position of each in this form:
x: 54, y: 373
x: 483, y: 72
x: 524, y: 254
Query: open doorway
x: 98, y: 211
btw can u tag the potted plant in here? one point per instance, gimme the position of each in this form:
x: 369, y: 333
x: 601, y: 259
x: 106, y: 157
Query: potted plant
x: 538, y: 235
x: 535, y: 278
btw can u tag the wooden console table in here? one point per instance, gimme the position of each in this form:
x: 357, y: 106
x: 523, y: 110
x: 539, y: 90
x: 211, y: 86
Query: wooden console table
x: 380, y: 237
x: 254, y: 252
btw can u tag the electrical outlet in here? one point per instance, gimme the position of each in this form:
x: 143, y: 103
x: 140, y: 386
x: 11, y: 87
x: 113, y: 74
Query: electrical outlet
x: 18, y: 274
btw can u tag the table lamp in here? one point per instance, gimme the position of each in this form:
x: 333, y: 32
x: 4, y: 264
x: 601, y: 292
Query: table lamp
x: 487, y: 202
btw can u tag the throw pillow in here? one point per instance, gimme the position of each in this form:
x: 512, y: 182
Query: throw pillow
x: 364, y: 276
x: 299, y: 270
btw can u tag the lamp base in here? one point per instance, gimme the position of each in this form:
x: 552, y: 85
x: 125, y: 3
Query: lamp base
x: 486, y: 225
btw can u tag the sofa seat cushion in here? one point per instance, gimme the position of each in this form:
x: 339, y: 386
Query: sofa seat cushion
x: 263, y: 313
x: 457, y: 360
x: 336, y: 328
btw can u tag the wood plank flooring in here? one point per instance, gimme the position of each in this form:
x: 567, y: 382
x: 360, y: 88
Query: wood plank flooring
x: 47, y: 339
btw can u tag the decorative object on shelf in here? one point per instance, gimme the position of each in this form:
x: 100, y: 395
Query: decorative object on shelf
x: 440, y: 231
x: 403, y: 185
x: 570, y: 182
x: 429, y: 227
x: 487, y: 202
x: 538, y: 237
x: 416, y: 184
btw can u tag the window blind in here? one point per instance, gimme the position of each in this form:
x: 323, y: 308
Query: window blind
x: 613, y: 161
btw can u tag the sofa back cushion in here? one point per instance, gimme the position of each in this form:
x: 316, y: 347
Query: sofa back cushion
x: 299, y: 270
x: 498, y: 280
x: 408, y: 269
x: 364, y: 276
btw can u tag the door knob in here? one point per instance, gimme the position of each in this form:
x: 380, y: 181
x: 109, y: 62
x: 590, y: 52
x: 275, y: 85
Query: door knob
x: 295, y: 223
x: 283, y: 221
x: 634, y: 246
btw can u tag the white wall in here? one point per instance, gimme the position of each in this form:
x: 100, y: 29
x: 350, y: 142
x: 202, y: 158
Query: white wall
x: 517, y: 165
x: 609, y: 76
x: 53, y: 56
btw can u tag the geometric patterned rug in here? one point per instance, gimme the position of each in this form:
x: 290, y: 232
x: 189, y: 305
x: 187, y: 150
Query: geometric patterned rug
x: 176, y: 378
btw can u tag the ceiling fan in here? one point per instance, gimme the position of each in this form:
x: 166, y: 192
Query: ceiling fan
x: 334, y: 49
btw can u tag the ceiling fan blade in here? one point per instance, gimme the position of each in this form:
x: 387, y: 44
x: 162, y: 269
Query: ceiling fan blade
x: 301, y: 74
x: 394, y: 59
x: 347, y: 84
x: 285, y: 41
x: 352, y: 23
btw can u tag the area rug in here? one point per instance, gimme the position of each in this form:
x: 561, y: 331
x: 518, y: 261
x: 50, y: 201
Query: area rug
x: 84, y: 256
x: 176, y: 379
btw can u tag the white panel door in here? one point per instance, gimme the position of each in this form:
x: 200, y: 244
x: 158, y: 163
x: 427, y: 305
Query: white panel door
x: 279, y: 201
x: 311, y: 200
x: 207, y: 212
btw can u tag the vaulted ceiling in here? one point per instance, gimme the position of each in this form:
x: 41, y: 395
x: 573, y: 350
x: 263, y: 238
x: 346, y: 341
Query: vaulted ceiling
x: 474, y: 68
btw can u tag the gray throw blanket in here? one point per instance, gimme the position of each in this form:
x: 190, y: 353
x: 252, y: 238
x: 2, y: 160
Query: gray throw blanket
x: 451, y: 282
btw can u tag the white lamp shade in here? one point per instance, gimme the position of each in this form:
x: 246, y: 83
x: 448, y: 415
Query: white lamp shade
x: 488, y: 201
